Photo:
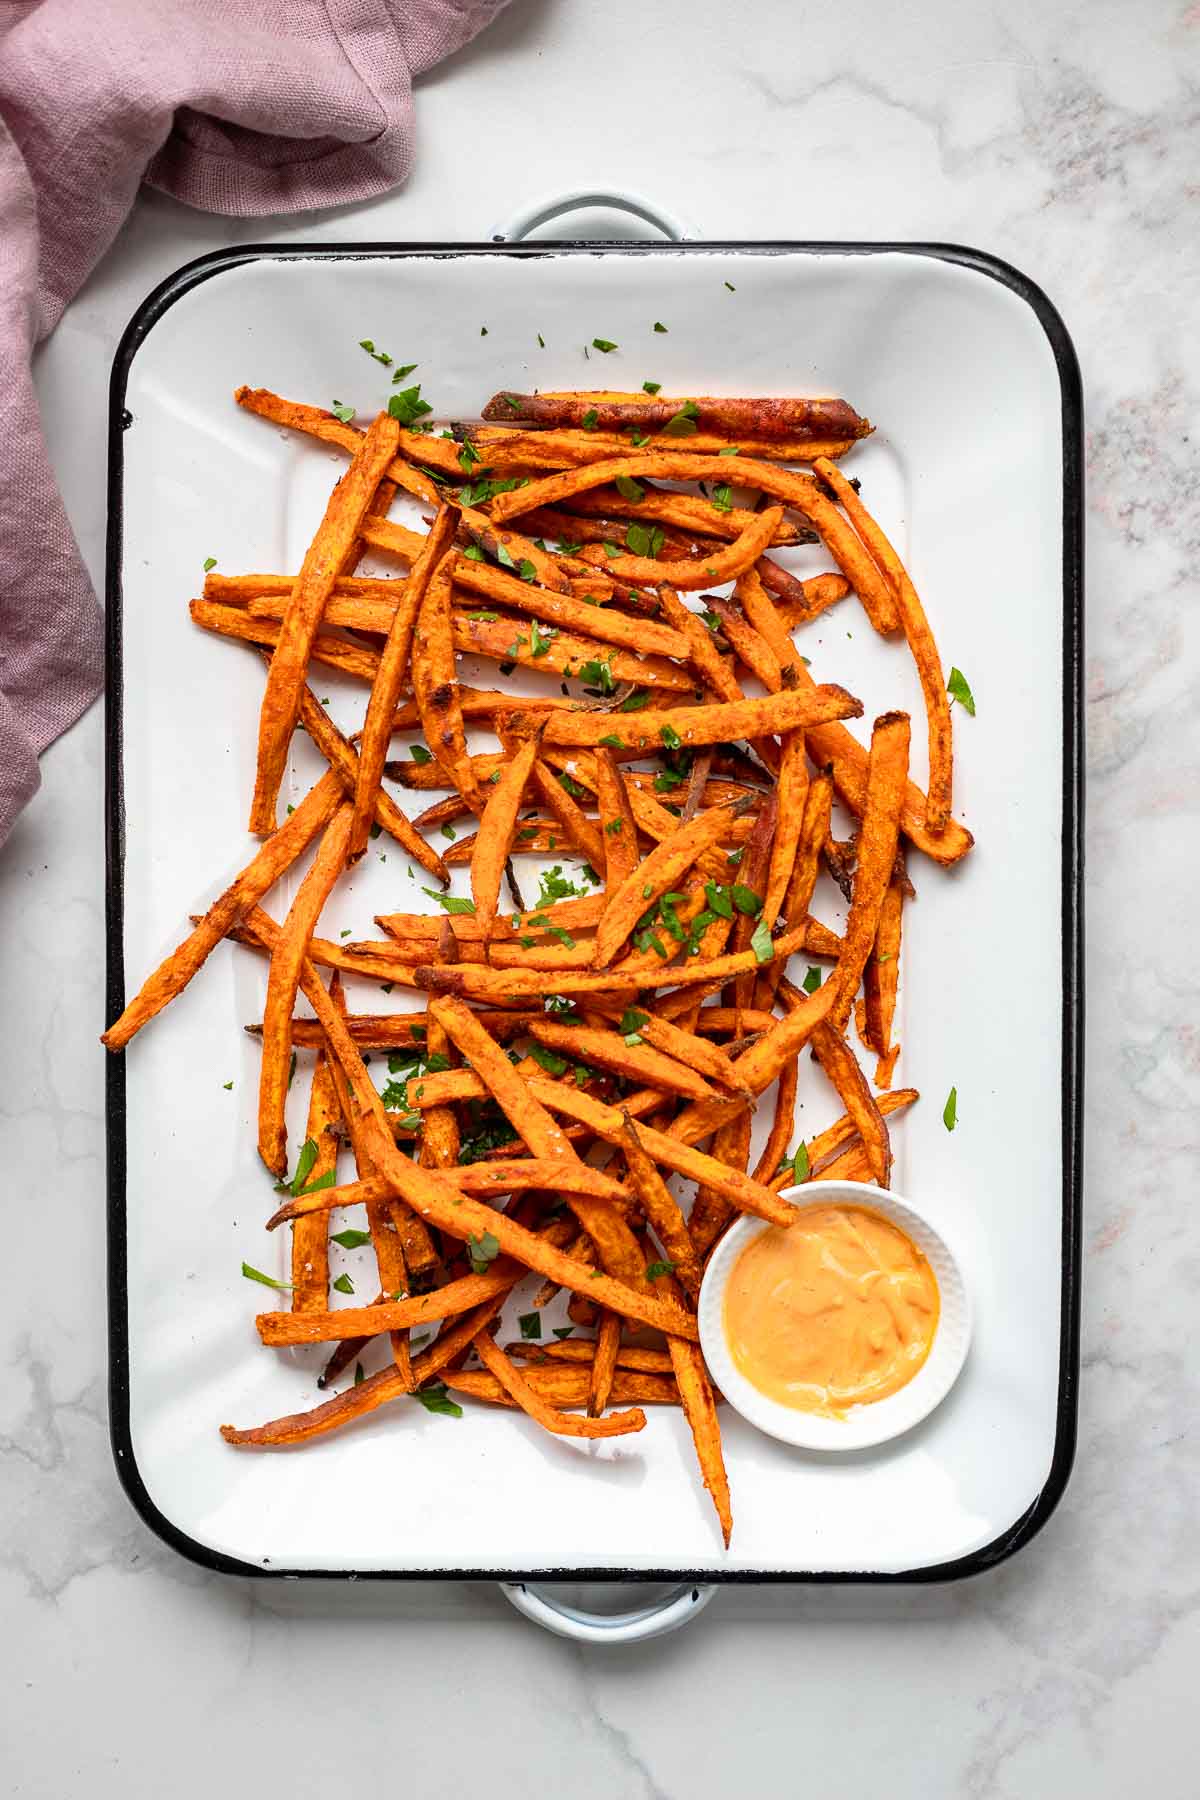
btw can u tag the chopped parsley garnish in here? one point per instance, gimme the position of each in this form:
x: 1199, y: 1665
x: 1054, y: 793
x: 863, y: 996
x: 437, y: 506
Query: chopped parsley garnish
x: 473, y: 553
x: 483, y: 1250
x: 614, y: 826
x: 402, y: 371
x: 541, y: 341
x: 436, y: 1397
x: 812, y: 980
x: 957, y: 687
x: 798, y: 1164
x: 631, y: 490
x: 598, y: 672
x: 651, y: 387
x: 344, y: 1285
x: 761, y: 942
x: 667, y: 780
x: 350, y: 1240
x: 746, y: 900
x: 419, y: 753
x: 719, y: 900
x: 722, y: 498
x: 341, y: 411
x: 631, y: 1025
x: 407, y: 406
x: 635, y: 702
x: 950, y: 1110
x: 733, y: 450
x: 381, y: 356
x: 670, y: 737
x: 655, y: 1269
x: 540, y: 639
x: 485, y: 618
x: 450, y: 903
x: 645, y: 540
x: 614, y: 743
x: 731, y: 287
x: 659, y: 326
x: 590, y: 419
x: 605, y: 344
x: 210, y: 562
x: 285, y: 1287
x: 448, y: 831
x: 227, y: 1085
x: 562, y: 1331
x: 684, y: 422
x: 468, y: 456
x: 546, y: 1059
x: 531, y: 1324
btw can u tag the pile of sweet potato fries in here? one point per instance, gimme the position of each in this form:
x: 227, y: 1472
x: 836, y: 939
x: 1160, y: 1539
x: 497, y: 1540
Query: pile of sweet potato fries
x: 632, y: 1024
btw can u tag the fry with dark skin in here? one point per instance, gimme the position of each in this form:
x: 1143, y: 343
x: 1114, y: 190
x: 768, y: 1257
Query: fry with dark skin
x: 731, y: 418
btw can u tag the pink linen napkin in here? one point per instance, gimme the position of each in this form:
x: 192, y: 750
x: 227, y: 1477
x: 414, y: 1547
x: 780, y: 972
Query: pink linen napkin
x: 240, y: 107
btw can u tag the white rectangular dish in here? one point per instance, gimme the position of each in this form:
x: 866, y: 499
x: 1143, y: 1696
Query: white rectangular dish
x: 975, y: 470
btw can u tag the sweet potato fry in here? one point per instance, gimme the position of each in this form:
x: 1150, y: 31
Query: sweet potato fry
x: 604, y: 1364
x: 697, y: 725
x: 496, y: 827
x: 518, y: 1387
x: 703, y: 655
x: 514, y: 640
x: 563, y: 1385
x: 436, y: 688
x: 618, y: 827
x: 535, y: 451
x: 792, y: 794
x: 684, y: 1046
x: 800, y: 602
x: 310, y: 1239
x: 752, y: 875
x: 579, y: 830
x: 515, y: 551
x: 841, y: 1065
x: 492, y: 1180
x: 730, y: 418
x: 275, y: 857
x: 530, y: 1120
x: 583, y: 1350
x: 389, y: 679
x: 234, y: 622
x: 656, y: 875
x: 725, y: 564
x: 276, y: 1328
x: 713, y: 1208
x: 318, y: 572
x: 798, y: 491
x: 881, y: 975
x: 316, y: 422
x: 832, y: 1141
x: 637, y: 1062
x: 343, y: 760
x: 661, y: 1209
x: 440, y: 1138
x: 877, y: 843
x: 748, y: 645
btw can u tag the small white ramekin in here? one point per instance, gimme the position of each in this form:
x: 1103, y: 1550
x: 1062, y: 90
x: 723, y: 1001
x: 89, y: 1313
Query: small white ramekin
x: 862, y: 1426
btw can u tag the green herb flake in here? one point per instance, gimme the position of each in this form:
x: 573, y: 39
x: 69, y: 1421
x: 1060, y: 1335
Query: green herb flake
x: 402, y: 371
x: 350, y: 1240
x: 734, y: 450
x: 562, y: 1331
x: 957, y: 687
x: 407, y: 406
x: 210, y: 562
x: 540, y: 640
x: 419, y: 753
x: 746, y: 900
x: 635, y: 702
x: 655, y: 1269
x: 722, y: 498
x: 344, y: 1285
x: 651, y: 387
x: 761, y: 942
x: 285, y: 1287
x: 531, y: 1324
x: 590, y: 419
x: 227, y: 1085
x: 645, y: 540
x: 541, y: 341
x: 631, y: 490
x: 670, y: 737
x: 614, y: 743
x: 450, y: 903
x: 950, y: 1110
x: 483, y: 1250
x: 436, y: 1398
x: 659, y: 326
x: 604, y: 344
x: 548, y: 1060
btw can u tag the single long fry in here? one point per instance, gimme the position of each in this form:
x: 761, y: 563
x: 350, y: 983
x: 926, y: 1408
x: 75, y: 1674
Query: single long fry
x: 684, y: 1046
x: 316, y: 422
x: 492, y: 1180
x: 436, y: 688
x: 713, y: 1208
x: 725, y: 564
x: 273, y: 859
x: 579, y: 829
x: 275, y: 1328
x: 699, y: 1406
x: 882, y: 973
x: 639, y: 1062
x: 320, y: 569
x: 496, y: 829
x: 877, y: 841
x: 732, y: 418
x: 234, y: 622
x: 534, y: 1125
x: 310, y: 1239
x: 661, y: 1209
x: 604, y: 1364
x: 713, y: 670
x: 841, y: 1065
x: 618, y: 827
x: 529, y: 1400
x: 389, y: 679
x: 583, y: 1350
x: 563, y: 1384
x: 537, y: 450
x: 560, y: 652
x: 694, y: 726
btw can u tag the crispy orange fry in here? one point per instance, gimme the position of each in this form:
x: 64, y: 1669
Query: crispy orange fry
x: 684, y: 1046
x: 583, y: 1350
x: 530, y: 1401
x: 389, y: 679
x: 579, y: 829
x: 713, y: 1208
x: 530, y: 1120
x: 512, y: 639
x: 317, y: 422
x: 233, y: 622
x: 725, y: 564
x: 832, y: 1141
x: 661, y: 1209
x: 639, y: 1062
x: 436, y: 688
x: 492, y: 1180
x: 440, y: 1138
x: 604, y: 1364
x: 343, y: 760
x: 562, y: 1385
x: 877, y: 842
x: 618, y: 827
x: 496, y: 829
x: 724, y: 722
x: 881, y: 975
x: 321, y: 566
x: 839, y: 1062
x: 310, y: 1239
x: 656, y: 875
x: 703, y: 654
x: 272, y: 860
x: 535, y: 451
x: 277, y: 1328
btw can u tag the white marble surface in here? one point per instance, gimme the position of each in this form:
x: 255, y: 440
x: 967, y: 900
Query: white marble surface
x: 1062, y: 137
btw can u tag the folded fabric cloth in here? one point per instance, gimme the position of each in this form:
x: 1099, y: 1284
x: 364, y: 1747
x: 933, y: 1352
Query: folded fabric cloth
x: 241, y: 107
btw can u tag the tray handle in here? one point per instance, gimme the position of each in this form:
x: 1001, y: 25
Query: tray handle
x: 532, y: 217
x: 634, y: 1626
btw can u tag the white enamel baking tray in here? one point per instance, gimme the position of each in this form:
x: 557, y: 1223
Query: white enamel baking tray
x: 975, y: 470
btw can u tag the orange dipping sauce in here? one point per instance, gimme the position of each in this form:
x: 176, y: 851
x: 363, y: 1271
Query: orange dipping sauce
x: 837, y: 1310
